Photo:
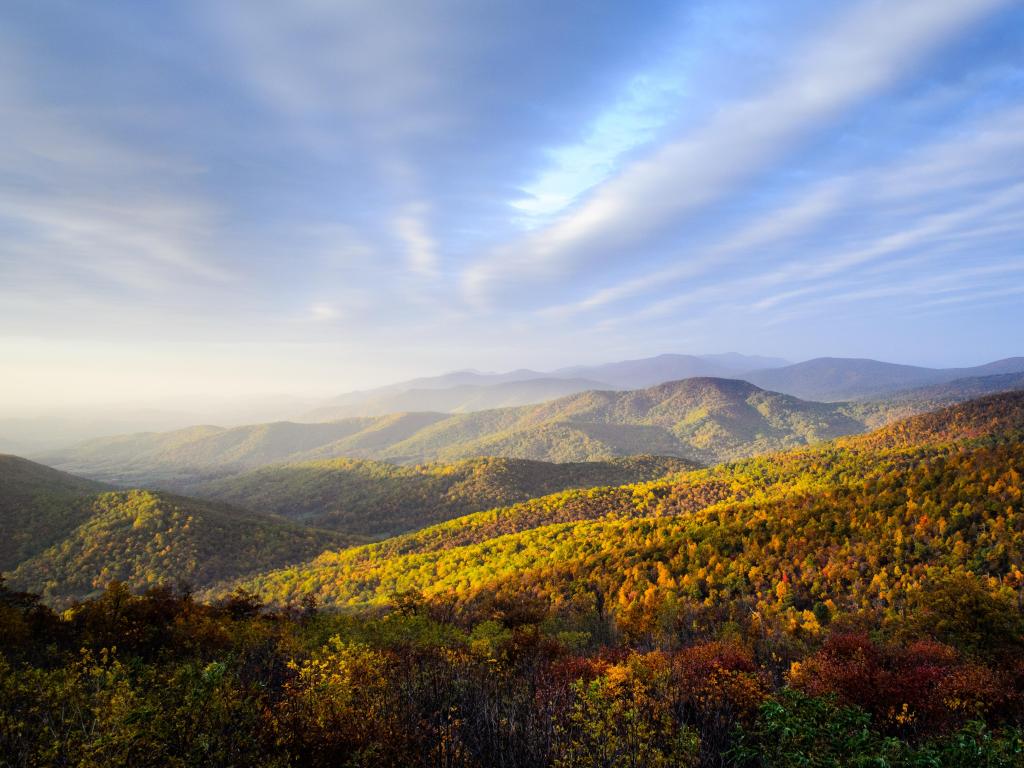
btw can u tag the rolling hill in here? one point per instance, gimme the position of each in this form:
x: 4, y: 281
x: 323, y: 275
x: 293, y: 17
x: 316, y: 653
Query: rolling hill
x: 831, y: 379
x: 702, y: 419
x: 38, y: 506
x: 378, y: 499
x: 145, y: 539
x: 66, y: 537
x: 910, y: 402
x: 854, y: 523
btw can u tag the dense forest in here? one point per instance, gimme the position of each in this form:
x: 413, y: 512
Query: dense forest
x: 66, y: 537
x: 160, y: 679
x: 144, y: 539
x: 374, y: 498
x: 792, y: 536
x: 857, y: 603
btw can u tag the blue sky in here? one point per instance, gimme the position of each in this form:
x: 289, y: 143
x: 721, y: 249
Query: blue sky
x: 254, y: 197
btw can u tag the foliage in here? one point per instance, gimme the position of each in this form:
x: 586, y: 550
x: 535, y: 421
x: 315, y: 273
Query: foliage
x: 856, y: 604
x: 373, y: 498
x: 799, y: 540
x: 145, y: 539
x: 795, y: 730
x: 161, y: 680
x: 38, y: 507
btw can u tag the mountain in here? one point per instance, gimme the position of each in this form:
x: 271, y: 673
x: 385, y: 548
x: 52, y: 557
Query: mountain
x: 55, y: 428
x: 38, y: 506
x: 462, y: 391
x: 458, y: 399
x: 69, y: 541
x: 647, y: 372
x: 832, y: 379
x: 467, y: 378
x: 195, y: 452
x: 913, y: 401
x: 376, y: 499
x: 862, y: 521
x: 705, y: 419
x: 702, y: 419
x: 853, y: 603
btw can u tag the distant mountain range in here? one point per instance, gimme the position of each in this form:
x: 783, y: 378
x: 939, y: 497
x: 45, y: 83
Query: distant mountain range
x: 831, y: 379
x: 701, y: 419
x: 463, y: 391
x: 825, y: 379
x: 821, y: 379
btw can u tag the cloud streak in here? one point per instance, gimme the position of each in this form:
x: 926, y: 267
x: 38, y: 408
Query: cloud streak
x: 869, y: 49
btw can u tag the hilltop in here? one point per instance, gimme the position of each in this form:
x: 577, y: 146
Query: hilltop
x: 464, y: 391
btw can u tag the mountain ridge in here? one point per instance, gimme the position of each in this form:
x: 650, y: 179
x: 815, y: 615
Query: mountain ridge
x: 833, y: 379
x: 702, y: 419
x: 494, y: 390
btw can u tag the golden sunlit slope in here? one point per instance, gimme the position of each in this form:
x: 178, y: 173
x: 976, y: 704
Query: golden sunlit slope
x: 854, y: 523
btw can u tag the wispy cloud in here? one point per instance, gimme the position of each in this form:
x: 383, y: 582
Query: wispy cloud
x: 647, y: 104
x: 789, y: 220
x: 421, y: 250
x: 405, y: 192
x: 77, y: 206
x: 871, y: 47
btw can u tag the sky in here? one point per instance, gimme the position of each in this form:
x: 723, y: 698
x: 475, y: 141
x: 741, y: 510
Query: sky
x: 235, y: 199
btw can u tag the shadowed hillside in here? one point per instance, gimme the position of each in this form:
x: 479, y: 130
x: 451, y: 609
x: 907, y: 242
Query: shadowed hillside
x: 38, y: 506
x: 376, y: 498
x: 145, y: 539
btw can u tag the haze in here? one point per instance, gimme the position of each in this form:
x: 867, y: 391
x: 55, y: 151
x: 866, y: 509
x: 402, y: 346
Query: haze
x: 219, y: 202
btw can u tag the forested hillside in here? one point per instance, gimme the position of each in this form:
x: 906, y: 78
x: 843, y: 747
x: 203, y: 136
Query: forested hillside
x: 146, y: 539
x: 376, y: 499
x: 923, y: 399
x: 796, y: 536
x: 859, y: 603
x: 66, y: 538
x: 38, y: 506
